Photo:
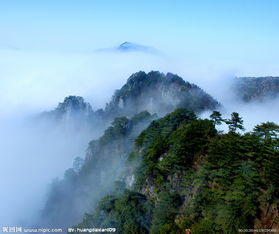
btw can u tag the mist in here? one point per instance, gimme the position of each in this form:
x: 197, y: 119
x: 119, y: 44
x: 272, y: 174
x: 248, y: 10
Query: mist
x: 34, y: 153
x: 40, y: 79
x: 256, y: 111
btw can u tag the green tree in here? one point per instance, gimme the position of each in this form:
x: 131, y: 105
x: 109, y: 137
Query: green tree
x: 235, y: 122
x: 216, y: 117
x: 165, y: 211
x: 267, y: 131
x: 269, y: 151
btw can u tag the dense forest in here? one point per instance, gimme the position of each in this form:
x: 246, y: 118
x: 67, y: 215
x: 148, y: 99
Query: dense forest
x: 159, y: 168
x: 145, y: 97
x: 187, y: 175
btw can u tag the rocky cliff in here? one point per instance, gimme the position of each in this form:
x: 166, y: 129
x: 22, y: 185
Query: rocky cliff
x: 158, y: 93
x: 257, y: 88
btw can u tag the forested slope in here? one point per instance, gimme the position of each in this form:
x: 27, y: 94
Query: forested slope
x: 188, y: 175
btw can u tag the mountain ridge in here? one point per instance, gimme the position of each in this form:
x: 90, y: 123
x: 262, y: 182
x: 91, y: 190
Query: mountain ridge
x: 172, y: 174
x: 145, y: 91
x: 256, y: 88
x: 142, y: 92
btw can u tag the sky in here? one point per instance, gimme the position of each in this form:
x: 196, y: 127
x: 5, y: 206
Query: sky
x: 45, y: 44
x: 48, y: 50
x: 212, y: 29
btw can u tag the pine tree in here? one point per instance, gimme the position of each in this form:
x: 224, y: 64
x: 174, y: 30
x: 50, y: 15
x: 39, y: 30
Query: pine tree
x: 235, y: 122
x: 216, y: 117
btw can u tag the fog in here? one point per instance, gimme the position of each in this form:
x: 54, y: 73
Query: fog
x: 38, y: 79
x: 34, y: 153
x: 254, y: 112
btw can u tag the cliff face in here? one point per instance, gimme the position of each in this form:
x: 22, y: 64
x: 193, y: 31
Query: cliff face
x: 257, y: 88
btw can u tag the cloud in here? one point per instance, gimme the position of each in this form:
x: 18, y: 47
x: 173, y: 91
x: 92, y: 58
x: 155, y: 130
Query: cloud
x: 35, y: 81
x: 33, y: 153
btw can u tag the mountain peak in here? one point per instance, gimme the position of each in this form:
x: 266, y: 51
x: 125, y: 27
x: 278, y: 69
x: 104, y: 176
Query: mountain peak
x: 130, y: 46
x: 156, y: 76
x: 126, y: 44
x: 158, y: 93
x: 71, y: 108
x: 74, y: 104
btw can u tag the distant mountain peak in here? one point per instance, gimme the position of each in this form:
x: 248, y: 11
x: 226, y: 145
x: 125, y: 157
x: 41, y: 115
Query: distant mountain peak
x: 72, y: 107
x: 257, y: 88
x: 74, y: 104
x: 130, y: 46
x: 127, y: 43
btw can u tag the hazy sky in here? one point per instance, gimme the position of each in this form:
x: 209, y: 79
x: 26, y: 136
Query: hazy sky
x: 232, y: 30
x: 45, y: 46
x: 48, y: 51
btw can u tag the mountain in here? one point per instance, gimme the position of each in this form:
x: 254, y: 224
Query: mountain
x: 257, y: 88
x: 130, y: 47
x: 183, y: 176
x: 73, y: 107
x: 74, y: 121
x: 173, y: 173
x: 94, y: 176
x: 155, y: 92
x: 158, y: 93
x: 126, y: 47
x: 143, y: 98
